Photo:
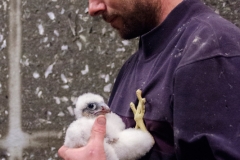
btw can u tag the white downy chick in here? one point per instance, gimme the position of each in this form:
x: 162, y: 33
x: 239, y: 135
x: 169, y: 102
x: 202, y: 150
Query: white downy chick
x: 119, y: 143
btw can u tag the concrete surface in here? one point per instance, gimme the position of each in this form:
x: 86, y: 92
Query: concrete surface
x: 63, y: 53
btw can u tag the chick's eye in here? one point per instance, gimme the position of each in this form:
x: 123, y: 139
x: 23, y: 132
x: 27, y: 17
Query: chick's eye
x: 92, y: 106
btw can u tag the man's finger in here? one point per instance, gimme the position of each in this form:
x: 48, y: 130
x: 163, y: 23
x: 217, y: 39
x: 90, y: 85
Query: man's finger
x: 95, y: 145
x: 62, y: 151
x: 73, y: 153
x: 98, y: 130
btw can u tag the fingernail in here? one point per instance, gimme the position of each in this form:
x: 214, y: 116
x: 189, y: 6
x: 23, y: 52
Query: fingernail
x: 101, y: 120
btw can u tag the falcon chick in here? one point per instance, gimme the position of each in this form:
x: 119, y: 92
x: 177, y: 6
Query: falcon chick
x: 119, y: 143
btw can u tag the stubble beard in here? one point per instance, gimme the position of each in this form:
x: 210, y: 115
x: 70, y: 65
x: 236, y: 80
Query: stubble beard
x: 139, y: 21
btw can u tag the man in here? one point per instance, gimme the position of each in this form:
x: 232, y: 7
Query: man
x: 188, y: 67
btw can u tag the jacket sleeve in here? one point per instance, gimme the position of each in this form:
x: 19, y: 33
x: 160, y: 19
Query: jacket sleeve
x: 206, y: 109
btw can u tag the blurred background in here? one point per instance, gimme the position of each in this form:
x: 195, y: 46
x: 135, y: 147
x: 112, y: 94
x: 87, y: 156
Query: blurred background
x: 60, y: 53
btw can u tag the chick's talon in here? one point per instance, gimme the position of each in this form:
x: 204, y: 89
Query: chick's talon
x: 133, y: 108
x: 139, y: 111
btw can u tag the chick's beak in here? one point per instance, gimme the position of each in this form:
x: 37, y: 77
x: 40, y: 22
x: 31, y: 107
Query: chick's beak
x: 104, y: 110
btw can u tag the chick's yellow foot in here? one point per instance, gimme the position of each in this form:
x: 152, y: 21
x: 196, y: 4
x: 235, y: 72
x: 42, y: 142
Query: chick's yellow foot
x: 139, y: 111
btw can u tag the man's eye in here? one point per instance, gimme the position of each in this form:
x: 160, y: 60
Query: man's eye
x: 92, y: 106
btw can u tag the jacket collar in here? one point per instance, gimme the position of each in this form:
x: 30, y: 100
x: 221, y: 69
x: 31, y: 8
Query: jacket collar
x: 158, y: 38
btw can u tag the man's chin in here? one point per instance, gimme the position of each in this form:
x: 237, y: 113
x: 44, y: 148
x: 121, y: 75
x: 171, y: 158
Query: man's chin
x: 127, y: 36
x: 115, y: 27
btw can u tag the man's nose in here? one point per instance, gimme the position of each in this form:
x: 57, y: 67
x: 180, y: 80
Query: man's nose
x: 96, y: 7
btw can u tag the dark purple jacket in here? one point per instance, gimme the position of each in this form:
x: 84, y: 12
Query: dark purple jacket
x: 189, y: 71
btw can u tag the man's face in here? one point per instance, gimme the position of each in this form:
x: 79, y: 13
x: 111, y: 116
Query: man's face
x: 131, y: 18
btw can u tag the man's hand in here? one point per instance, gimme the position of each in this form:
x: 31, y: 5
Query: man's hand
x: 94, y: 150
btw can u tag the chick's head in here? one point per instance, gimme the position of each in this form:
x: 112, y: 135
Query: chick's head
x: 90, y: 105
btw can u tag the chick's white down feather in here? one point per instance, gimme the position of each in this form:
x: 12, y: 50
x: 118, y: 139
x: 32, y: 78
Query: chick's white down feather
x: 119, y: 143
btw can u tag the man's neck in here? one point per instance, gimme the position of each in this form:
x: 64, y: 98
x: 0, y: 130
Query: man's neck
x: 166, y: 7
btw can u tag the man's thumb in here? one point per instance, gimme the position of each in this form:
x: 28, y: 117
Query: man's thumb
x: 99, y: 129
